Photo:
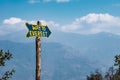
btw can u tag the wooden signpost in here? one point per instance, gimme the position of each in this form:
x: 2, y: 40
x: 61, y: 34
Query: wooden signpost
x: 38, y: 31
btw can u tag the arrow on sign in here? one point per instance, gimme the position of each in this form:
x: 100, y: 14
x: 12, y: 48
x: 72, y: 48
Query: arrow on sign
x: 38, y: 31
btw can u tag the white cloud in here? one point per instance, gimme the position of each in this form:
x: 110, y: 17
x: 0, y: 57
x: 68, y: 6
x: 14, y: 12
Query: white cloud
x: 58, y: 1
x: 34, y: 1
x: 12, y: 20
x: 89, y: 24
x: 14, y: 24
x: 11, y: 25
x: 94, y: 23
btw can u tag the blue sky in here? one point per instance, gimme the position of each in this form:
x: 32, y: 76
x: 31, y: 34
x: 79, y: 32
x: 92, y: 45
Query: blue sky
x: 56, y: 11
x: 74, y: 16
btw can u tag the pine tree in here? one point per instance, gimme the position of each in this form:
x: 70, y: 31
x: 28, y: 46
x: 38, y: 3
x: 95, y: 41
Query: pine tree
x: 3, y: 58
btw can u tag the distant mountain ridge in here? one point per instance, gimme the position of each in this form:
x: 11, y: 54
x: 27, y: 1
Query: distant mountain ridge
x: 65, y: 56
x: 58, y: 61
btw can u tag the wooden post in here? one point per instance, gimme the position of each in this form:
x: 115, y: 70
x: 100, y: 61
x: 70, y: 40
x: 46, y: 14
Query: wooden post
x: 38, y: 56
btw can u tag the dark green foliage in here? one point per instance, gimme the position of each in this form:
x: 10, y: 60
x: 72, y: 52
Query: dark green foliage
x: 111, y: 74
x: 95, y: 76
x: 7, y: 75
x: 3, y: 58
x: 117, y: 62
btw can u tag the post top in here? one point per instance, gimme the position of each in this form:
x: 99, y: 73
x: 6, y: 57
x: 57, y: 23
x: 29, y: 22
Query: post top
x: 39, y: 23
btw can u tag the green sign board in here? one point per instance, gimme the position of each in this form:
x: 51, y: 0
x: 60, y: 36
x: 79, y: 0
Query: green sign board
x: 38, y: 31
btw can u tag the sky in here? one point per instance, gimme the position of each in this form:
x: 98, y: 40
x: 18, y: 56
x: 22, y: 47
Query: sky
x: 71, y: 16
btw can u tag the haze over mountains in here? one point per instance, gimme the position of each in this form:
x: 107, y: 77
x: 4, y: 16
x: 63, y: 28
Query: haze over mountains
x: 65, y: 56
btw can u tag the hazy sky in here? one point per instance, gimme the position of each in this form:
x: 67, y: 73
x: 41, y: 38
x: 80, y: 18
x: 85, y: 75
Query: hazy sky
x: 74, y: 16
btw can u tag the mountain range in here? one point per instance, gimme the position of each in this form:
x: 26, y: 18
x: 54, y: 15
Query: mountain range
x: 64, y: 57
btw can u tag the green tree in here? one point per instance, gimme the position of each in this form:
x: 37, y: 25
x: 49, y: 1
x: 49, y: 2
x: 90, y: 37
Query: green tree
x: 95, y: 76
x: 111, y: 74
x: 3, y: 58
x: 117, y: 61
